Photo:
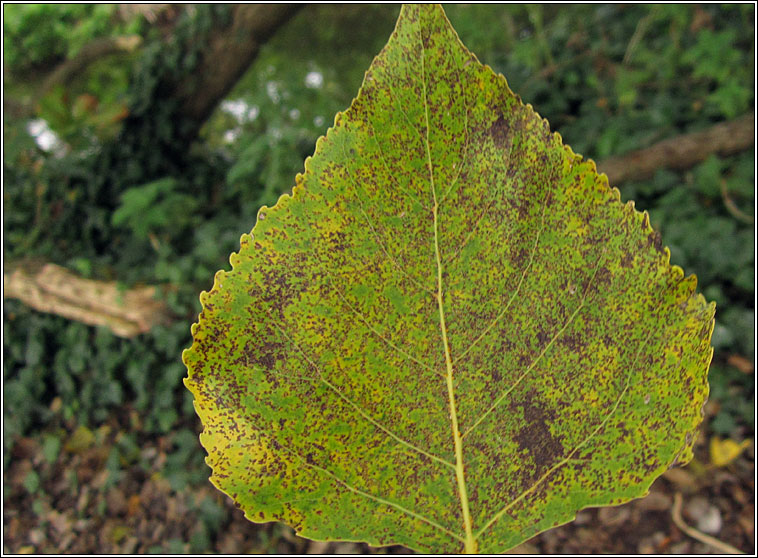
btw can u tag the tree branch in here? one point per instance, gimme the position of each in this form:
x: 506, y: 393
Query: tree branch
x: 89, y: 53
x: 682, y: 152
x: 229, y: 52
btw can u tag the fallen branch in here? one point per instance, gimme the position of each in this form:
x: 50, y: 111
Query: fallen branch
x: 676, y: 515
x: 55, y: 290
x: 682, y: 152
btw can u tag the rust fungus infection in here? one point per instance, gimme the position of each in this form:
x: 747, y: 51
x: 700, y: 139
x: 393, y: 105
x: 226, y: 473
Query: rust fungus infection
x: 452, y: 334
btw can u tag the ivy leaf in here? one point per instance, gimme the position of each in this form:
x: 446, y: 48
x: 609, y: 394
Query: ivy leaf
x: 452, y: 335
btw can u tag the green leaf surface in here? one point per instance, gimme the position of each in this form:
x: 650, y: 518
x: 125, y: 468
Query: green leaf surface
x: 452, y: 335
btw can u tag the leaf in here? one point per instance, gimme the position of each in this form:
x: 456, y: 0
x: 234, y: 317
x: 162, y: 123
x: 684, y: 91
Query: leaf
x: 723, y: 452
x: 81, y: 440
x: 153, y: 205
x: 452, y: 335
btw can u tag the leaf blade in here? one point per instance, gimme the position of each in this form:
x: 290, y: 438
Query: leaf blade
x: 434, y: 261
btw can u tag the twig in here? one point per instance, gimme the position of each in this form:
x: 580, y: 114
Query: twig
x: 639, y: 32
x: 732, y: 207
x: 676, y: 515
x: 535, y: 17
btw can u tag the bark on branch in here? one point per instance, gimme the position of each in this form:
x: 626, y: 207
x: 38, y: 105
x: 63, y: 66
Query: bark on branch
x: 681, y: 152
x: 229, y: 52
x: 55, y: 290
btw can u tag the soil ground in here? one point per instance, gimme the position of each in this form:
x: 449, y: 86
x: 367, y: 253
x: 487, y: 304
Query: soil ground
x: 75, y: 508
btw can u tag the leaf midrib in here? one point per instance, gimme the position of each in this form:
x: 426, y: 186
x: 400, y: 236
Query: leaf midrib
x: 470, y: 545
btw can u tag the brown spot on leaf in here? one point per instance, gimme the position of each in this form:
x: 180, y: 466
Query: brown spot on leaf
x: 535, y: 436
x: 267, y: 360
x: 574, y: 342
x: 500, y: 130
x: 520, y: 257
x: 542, y: 337
x: 654, y: 239
x: 602, y: 278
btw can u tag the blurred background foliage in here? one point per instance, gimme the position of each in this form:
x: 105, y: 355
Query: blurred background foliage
x: 99, y: 178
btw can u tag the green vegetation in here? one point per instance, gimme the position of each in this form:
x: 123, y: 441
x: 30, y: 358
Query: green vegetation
x: 38, y: 35
x: 124, y: 197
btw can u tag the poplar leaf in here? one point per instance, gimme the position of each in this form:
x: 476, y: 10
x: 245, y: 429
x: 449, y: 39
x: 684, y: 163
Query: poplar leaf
x: 452, y: 335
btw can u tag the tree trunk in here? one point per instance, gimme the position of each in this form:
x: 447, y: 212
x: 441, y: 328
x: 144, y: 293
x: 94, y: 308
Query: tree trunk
x: 228, y: 53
